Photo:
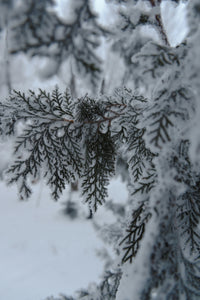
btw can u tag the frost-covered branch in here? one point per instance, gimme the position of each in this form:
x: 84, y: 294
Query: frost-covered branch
x: 38, y: 31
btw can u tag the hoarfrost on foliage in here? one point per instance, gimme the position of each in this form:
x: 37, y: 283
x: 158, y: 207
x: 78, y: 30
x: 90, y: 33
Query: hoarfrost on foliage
x: 145, y: 131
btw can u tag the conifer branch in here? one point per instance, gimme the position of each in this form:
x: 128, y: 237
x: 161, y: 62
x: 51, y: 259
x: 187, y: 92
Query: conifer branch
x: 135, y: 233
x: 160, y: 23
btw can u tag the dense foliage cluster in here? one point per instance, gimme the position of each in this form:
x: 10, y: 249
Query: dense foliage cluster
x: 150, y: 125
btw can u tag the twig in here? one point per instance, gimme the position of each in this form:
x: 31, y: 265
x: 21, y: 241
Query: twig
x: 160, y: 23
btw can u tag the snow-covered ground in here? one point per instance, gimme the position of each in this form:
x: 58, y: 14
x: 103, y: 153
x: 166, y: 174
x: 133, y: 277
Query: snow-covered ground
x: 43, y: 252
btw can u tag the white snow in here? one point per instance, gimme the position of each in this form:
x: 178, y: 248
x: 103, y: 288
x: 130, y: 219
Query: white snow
x: 175, y: 21
x: 42, y: 252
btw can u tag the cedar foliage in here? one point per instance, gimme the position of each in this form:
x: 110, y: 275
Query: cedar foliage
x: 151, y: 125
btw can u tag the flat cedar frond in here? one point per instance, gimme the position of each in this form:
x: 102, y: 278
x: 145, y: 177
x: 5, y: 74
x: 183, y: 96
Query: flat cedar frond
x: 99, y: 166
x: 188, y: 203
x: 60, y: 157
x: 188, y: 216
x: 145, y: 61
x: 135, y: 233
x: 47, y: 141
x: 110, y: 284
x: 146, y: 184
x: 63, y: 102
x: 182, y: 164
x: 190, y: 278
x: 140, y: 161
x: 153, y: 59
x: 170, y: 105
x: 161, y: 132
x: 164, y: 275
x: 44, y: 108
